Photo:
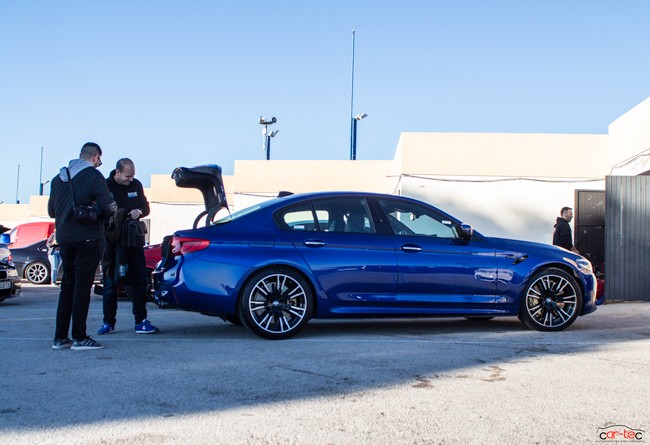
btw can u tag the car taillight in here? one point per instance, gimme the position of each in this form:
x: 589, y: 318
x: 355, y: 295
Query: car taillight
x: 182, y: 245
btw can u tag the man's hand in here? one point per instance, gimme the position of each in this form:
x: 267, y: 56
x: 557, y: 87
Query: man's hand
x: 135, y: 213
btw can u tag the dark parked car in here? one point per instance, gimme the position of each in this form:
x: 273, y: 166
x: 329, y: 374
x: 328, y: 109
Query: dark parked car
x: 9, y: 280
x: 275, y: 265
x: 32, y: 262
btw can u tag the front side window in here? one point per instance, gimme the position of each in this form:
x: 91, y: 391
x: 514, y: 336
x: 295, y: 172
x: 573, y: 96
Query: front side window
x: 408, y: 219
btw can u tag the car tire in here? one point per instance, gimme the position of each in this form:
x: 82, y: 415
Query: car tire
x: 276, y: 303
x: 38, y: 273
x: 551, y: 302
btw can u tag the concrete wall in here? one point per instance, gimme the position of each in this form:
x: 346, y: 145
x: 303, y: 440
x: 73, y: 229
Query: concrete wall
x: 499, y: 154
x: 629, y: 141
x: 500, y: 206
x: 505, y: 185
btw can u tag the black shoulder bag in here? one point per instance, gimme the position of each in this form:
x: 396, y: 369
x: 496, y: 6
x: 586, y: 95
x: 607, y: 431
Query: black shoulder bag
x: 81, y: 213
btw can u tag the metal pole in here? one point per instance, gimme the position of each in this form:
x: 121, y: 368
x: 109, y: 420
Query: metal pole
x: 268, y: 147
x: 265, y: 141
x: 40, y: 176
x: 353, y: 155
x: 352, y: 124
x: 17, y: 182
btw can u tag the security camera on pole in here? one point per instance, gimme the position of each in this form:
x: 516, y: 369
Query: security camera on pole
x: 267, y: 135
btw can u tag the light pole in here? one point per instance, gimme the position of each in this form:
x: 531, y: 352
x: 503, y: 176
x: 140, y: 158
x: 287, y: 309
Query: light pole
x: 40, y: 177
x: 353, y: 149
x: 354, y: 119
x: 40, y: 190
x: 267, y: 135
x: 17, y: 183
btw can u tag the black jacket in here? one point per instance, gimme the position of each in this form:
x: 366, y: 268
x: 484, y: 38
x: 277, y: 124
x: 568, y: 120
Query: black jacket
x: 562, y: 234
x: 128, y: 197
x: 89, y: 188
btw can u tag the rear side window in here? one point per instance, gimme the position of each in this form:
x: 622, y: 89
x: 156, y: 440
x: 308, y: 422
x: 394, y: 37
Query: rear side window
x: 299, y: 218
x: 345, y: 215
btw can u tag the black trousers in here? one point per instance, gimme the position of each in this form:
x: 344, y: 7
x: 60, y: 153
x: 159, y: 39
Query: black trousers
x: 136, y: 279
x: 80, y: 260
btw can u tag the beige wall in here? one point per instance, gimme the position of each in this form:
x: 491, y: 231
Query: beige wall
x: 303, y: 176
x: 501, y: 154
x: 13, y: 214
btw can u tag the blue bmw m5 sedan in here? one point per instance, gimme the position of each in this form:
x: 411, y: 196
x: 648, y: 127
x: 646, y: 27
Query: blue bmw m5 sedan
x: 274, y: 266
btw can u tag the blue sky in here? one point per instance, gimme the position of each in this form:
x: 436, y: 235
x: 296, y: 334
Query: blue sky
x: 183, y: 83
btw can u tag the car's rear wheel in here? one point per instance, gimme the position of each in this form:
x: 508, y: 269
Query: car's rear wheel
x: 552, y: 301
x: 276, y: 303
x: 37, y: 273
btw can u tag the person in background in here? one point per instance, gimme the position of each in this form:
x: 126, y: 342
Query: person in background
x: 125, y: 261
x: 562, y: 235
x: 80, y: 243
x: 54, y: 256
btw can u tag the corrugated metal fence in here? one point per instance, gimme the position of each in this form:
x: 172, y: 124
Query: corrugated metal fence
x: 627, y: 238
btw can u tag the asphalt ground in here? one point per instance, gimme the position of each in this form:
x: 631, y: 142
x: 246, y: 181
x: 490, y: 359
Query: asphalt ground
x: 418, y: 381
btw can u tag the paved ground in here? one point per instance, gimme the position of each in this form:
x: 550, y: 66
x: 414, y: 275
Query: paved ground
x: 203, y: 381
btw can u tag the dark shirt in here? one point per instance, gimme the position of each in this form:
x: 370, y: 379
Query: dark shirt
x: 128, y: 197
x: 562, y: 234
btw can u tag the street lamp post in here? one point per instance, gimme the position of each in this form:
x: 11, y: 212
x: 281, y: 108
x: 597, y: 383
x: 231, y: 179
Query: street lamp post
x: 267, y: 135
x: 358, y: 117
x: 353, y: 146
x: 17, y: 183
x: 40, y: 190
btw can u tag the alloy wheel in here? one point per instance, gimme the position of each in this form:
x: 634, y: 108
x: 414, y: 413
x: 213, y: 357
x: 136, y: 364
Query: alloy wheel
x: 276, y: 304
x: 37, y: 273
x: 552, y: 301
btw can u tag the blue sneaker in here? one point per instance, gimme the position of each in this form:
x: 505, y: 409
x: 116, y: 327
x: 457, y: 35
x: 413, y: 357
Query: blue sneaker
x: 106, y: 329
x: 145, y: 328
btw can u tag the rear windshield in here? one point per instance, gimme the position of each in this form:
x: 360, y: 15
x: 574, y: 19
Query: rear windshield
x: 239, y: 214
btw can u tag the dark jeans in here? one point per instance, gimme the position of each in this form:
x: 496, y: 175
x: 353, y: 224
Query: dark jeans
x: 136, y: 279
x: 80, y: 260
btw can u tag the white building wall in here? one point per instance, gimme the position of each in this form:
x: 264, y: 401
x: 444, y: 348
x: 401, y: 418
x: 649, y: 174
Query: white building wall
x: 629, y: 141
x: 499, y: 206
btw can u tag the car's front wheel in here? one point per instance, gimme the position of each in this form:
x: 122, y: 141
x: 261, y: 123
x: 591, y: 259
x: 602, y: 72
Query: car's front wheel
x: 37, y: 273
x: 552, y: 301
x: 276, y: 303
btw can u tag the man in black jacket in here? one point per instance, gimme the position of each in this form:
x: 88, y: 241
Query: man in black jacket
x: 562, y: 235
x: 80, y: 243
x: 124, y: 259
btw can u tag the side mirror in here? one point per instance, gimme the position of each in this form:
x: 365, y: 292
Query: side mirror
x: 466, y: 231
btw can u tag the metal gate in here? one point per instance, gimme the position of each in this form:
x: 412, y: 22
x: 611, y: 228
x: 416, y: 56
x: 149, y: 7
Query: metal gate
x: 590, y: 227
x: 627, y: 238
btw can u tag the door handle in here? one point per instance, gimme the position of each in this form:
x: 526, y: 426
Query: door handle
x: 411, y: 248
x: 314, y: 243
